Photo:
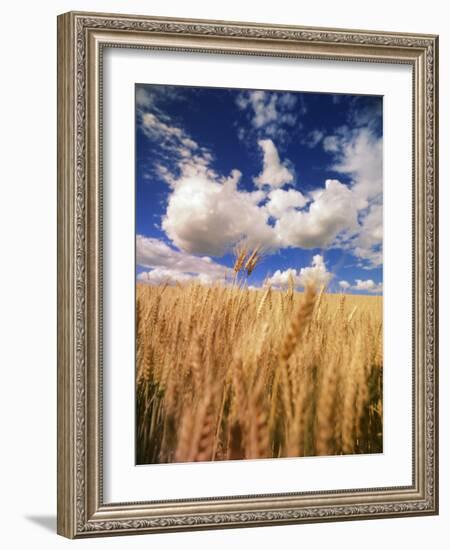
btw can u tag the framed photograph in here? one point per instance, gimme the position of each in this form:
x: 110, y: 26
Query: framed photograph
x: 247, y: 274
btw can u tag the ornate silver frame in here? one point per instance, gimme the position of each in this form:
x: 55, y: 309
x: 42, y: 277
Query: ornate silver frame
x: 81, y: 39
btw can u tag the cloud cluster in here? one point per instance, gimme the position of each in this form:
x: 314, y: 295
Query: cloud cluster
x: 368, y: 244
x: 152, y: 98
x: 369, y: 286
x: 366, y: 286
x: 205, y: 216
x: 270, y: 113
x: 358, y: 153
x: 316, y: 274
x: 282, y: 201
x: 313, y: 138
x: 179, y: 154
x: 144, y: 100
x: 275, y: 173
x: 209, y: 214
x: 170, y: 265
x: 331, y: 213
x: 161, y: 276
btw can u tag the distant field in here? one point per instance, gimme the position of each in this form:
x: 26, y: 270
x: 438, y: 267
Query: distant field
x: 226, y: 373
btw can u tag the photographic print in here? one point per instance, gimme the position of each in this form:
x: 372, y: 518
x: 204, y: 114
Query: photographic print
x: 259, y: 274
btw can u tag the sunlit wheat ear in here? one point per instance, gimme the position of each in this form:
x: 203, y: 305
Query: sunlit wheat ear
x: 379, y: 349
x: 252, y: 260
x: 350, y: 317
x: 139, y: 324
x: 239, y: 387
x: 325, y: 405
x: 240, y: 253
x: 303, y: 400
x: 142, y: 313
x: 146, y: 366
x: 154, y: 313
x: 290, y: 290
x: 143, y: 348
x: 264, y: 300
x: 349, y: 405
x: 341, y: 306
x: 317, y: 310
x: 196, y: 364
x: 205, y: 414
x: 362, y: 376
x: 299, y: 322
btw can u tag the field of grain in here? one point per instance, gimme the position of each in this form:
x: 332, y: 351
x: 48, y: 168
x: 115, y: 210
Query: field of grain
x: 226, y: 373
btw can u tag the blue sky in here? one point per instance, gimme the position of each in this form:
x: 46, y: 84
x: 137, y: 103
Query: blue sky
x: 297, y: 174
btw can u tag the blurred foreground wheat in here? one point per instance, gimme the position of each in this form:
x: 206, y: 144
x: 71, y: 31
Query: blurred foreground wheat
x: 231, y: 373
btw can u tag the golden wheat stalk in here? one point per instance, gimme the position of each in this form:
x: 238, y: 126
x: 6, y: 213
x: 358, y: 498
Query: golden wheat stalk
x: 240, y: 253
x: 352, y: 313
x: 252, y: 261
x: 298, y: 323
x: 264, y: 300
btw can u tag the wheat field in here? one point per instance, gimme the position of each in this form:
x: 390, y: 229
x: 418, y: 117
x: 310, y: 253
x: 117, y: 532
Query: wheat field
x: 227, y: 373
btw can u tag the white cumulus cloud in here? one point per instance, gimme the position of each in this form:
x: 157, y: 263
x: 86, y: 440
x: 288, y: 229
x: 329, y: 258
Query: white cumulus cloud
x: 368, y: 244
x: 280, y: 201
x: 361, y: 156
x: 358, y: 153
x: 280, y: 279
x: 368, y: 285
x: 161, y: 276
x: 332, y: 212
x: 274, y: 173
x: 316, y: 274
x: 344, y: 285
x: 365, y: 286
x: 205, y: 216
x: 165, y: 261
